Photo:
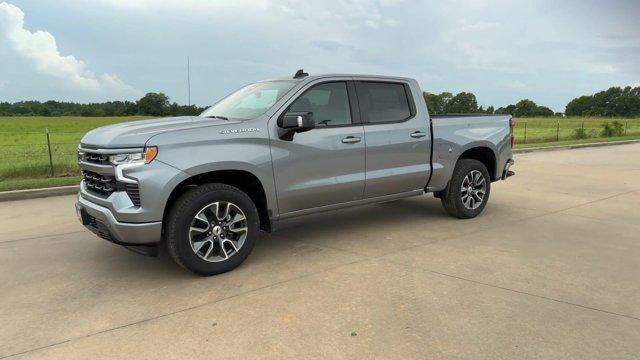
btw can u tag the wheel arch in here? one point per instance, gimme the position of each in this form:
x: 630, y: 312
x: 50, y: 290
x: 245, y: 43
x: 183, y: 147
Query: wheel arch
x: 244, y: 180
x: 485, y: 155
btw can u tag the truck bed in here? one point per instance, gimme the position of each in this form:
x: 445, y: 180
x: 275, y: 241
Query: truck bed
x: 453, y: 134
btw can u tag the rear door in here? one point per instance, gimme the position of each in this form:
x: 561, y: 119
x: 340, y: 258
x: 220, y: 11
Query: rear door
x: 397, y: 138
x: 323, y: 166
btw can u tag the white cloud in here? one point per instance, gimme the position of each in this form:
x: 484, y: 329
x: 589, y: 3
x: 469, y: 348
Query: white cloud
x: 367, y: 14
x: 41, y: 50
x: 479, y: 26
x: 516, y: 85
x: 600, y: 68
x: 187, y: 5
x: 502, y: 50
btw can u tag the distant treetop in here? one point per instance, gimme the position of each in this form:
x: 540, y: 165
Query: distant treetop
x: 615, y: 101
x: 466, y: 103
x: 152, y: 104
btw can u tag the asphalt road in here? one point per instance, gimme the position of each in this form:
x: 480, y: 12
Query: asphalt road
x: 550, y: 270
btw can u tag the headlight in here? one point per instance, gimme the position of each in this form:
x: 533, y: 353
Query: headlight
x: 145, y: 157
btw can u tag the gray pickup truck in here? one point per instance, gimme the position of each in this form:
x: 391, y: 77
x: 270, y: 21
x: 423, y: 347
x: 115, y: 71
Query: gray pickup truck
x: 205, y: 186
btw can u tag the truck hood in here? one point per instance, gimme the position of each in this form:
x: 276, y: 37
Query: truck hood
x: 137, y: 133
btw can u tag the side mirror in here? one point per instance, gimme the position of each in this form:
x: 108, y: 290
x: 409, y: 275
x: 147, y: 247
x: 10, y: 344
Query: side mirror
x: 297, y: 121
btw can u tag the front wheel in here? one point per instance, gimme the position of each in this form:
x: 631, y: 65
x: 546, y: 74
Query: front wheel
x: 212, y: 229
x: 468, y: 191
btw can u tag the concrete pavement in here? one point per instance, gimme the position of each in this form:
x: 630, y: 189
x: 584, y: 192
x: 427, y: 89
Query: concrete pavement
x: 550, y: 270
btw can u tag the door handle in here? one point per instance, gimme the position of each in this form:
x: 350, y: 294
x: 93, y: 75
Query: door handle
x: 418, y: 134
x: 351, y: 140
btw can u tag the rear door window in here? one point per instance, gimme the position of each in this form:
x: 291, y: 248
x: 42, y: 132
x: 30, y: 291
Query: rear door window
x: 383, y: 102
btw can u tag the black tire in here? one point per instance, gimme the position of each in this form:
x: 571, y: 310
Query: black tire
x: 451, y: 196
x: 187, y: 207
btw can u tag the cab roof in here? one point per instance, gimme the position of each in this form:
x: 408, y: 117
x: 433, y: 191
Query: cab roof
x: 307, y: 78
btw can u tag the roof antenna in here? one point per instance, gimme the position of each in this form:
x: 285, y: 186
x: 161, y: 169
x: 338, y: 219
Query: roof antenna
x: 300, y: 74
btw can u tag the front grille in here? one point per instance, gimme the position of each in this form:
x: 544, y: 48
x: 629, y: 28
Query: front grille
x: 103, y: 185
x: 134, y: 193
x: 99, y: 184
x: 95, y: 158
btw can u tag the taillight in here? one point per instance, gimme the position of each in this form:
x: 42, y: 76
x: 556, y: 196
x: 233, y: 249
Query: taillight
x: 512, y: 125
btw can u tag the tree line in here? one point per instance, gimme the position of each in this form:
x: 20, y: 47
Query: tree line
x: 152, y: 104
x: 466, y: 103
x: 616, y: 101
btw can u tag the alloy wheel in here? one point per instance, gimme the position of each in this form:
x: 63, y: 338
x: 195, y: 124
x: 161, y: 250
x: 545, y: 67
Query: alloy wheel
x: 218, y: 231
x: 473, y: 189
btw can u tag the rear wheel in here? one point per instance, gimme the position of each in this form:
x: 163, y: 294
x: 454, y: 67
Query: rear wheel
x: 468, y: 191
x: 212, y: 229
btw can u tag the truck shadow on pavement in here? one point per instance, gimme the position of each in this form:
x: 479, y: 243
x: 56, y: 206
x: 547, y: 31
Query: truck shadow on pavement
x: 410, y: 217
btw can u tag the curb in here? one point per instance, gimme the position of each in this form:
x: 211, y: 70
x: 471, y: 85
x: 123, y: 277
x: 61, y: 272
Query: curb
x: 38, y: 193
x: 575, y: 146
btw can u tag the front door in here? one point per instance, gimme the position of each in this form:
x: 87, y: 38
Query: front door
x: 326, y: 165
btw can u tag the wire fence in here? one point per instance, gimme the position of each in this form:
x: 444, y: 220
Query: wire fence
x: 537, y: 130
x: 26, y: 154
x: 29, y: 154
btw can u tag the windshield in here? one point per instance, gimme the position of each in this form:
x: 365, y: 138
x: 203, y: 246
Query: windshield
x: 250, y: 101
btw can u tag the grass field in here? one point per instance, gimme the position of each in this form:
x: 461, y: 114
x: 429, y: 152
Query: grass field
x: 544, y: 130
x: 23, y: 144
x: 24, y: 156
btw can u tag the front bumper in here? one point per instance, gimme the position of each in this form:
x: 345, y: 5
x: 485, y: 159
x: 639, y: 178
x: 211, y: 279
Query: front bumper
x: 100, y: 220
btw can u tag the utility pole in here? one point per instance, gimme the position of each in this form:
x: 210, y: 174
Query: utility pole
x: 188, y: 82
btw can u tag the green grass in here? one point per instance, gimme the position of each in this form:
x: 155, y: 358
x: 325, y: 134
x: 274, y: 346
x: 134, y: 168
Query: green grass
x: 24, y: 158
x: 544, y: 130
x: 21, y: 184
x: 23, y: 144
x: 574, y: 142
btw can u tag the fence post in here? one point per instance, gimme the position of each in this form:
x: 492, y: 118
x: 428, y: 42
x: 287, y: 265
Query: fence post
x: 525, y: 132
x: 49, y: 148
x: 558, y: 131
x: 626, y: 126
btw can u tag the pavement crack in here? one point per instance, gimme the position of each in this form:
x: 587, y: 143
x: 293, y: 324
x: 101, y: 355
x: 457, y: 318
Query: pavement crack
x: 560, y: 211
x: 594, y: 201
x: 149, y: 319
x: 40, y: 237
x: 512, y: 290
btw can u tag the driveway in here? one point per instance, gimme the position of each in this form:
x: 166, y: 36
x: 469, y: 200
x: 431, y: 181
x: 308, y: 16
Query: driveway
x: 551, y: 269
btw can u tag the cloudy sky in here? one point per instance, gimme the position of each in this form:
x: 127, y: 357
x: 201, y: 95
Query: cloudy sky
x: 503, y: 51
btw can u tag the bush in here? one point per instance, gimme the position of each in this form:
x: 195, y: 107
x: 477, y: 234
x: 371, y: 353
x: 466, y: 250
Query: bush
x: 580, y: 133
x: 612, y: 129
x: 618, y: 128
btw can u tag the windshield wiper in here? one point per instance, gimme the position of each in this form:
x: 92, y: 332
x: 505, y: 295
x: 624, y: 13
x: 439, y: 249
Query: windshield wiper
x: 217, y: 117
